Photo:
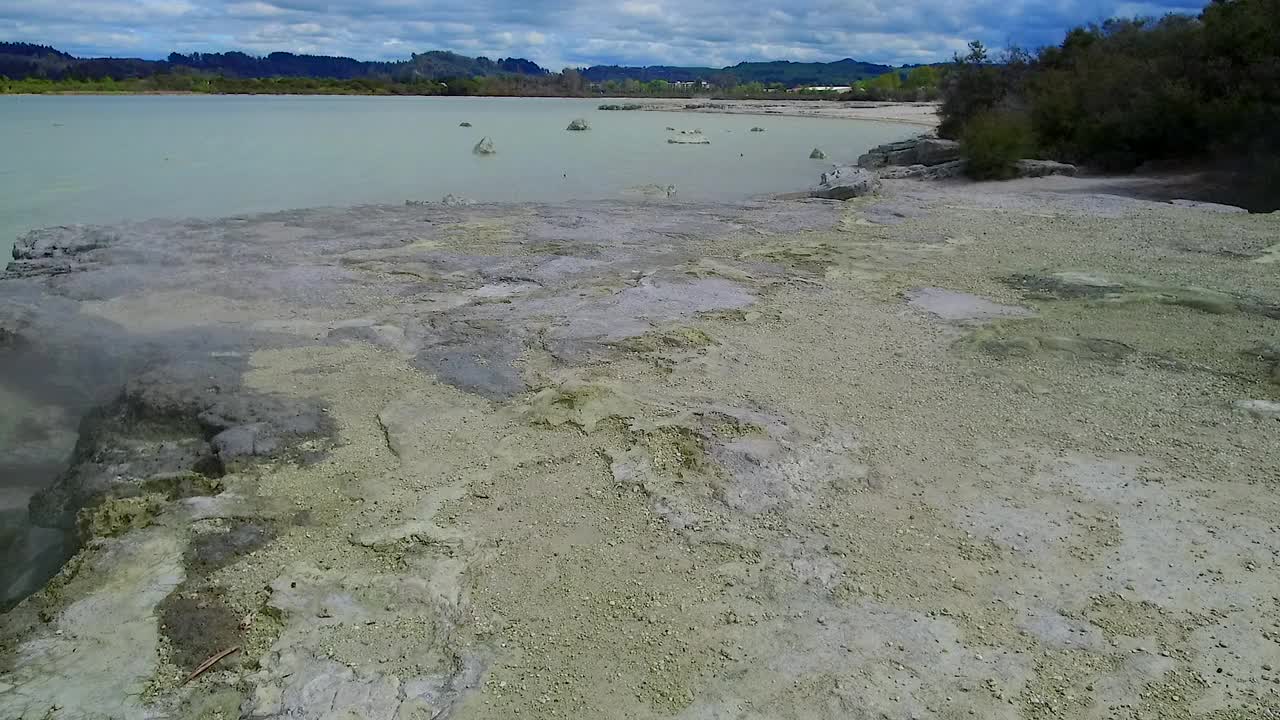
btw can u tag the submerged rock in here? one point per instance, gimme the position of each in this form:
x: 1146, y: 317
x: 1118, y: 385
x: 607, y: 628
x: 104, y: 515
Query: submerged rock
x: 464, y: 124
x: 578, y: 125
x: 690, y: 140
x: 817, y: 154
x: 484, y: 147
x: 845, y: 182
x: 757, y: 129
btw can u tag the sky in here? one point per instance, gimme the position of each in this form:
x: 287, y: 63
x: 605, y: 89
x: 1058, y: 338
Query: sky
x: 561, y: 33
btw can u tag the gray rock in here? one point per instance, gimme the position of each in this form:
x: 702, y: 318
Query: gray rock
x: 452, y: 200
x: 1209, y: 206
x: 1042, y: 168
x: 61, y: 241
x: 873, y: 160
x: 935, y: 151
x: 1261, y: 409
x: 484, y: 147
x: 57, y: 250
x: 845, y: 182
x: 903, y: 152
x: 906, y: 156
x: 952, y: 169
x: 689, y: 140
x: 183, y: 419
x: 757, y: 129
x: 464, y: 124
x: 578, y: 125
x: 817, y: 155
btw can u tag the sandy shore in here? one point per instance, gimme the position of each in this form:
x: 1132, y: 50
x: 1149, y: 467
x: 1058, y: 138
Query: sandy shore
x: 922, y: 114
x: 995, y: 451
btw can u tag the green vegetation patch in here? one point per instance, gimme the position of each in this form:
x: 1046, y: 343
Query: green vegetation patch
x: 176, y: 486
x: 676, y: 450
x: 117, y: 516
x: 585, y: 406
x: 679, y: 338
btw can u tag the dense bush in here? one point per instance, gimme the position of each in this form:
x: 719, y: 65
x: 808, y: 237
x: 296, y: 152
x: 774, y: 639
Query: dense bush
x: 993, y: 141
x: 1114, y: 96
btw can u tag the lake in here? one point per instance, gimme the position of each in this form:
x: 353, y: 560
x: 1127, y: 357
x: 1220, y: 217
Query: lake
x: 104, y: 159
x: 101, y: 159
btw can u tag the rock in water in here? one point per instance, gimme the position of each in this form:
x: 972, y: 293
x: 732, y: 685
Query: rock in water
x: 464, y: 124
x: 843, y: 183
x: 817, y: 155
x: 484, y: 147
x: 757, y: 129
x: 578, y: 125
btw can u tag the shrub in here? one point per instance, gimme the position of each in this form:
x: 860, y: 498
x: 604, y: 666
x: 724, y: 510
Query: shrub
x: 993, y: 142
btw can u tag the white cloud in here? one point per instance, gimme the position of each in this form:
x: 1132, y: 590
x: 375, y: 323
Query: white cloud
x: 577, y: 32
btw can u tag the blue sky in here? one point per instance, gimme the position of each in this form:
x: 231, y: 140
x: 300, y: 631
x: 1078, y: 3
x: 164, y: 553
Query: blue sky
x: 556, y: 33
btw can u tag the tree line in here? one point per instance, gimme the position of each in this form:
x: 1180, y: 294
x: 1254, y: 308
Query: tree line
x: 23, y: 62
x: 1202, y: 90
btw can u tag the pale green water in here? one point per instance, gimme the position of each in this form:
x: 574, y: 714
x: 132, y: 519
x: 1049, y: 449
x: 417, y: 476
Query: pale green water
x: 99, y: 159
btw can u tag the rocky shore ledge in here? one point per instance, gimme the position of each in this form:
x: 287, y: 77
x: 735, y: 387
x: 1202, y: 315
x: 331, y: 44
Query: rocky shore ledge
x: 945, y: 450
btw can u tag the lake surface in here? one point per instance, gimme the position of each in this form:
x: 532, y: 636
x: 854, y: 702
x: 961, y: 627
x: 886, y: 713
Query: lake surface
x: 101, y: 159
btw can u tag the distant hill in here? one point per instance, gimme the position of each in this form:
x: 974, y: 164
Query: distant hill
x: 22, y: 60
x: 840, y: 72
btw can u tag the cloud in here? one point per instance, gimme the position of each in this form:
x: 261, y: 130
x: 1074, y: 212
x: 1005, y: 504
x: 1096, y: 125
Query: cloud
x: 557, y: 33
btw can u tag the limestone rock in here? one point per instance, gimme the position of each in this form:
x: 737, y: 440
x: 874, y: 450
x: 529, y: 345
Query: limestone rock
x: 484, y: 147
x: 1261, y: 409
x: 452, y: 200
x: 902, y: 152
x: 845, y: 182
x: 946, y: 170
x: 1042, y: 168
x: 936, y: 151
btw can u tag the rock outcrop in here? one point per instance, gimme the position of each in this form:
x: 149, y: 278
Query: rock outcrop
x: 929, y: 158
x: 484, y: 147
x: 174, y: 430
x: 922, y: 150
x: 464, y: 124
x: 1042, y: 168
x: 846, y: 182
x: 578, y: 125
x: 955, y: 168
x: 817, y: 154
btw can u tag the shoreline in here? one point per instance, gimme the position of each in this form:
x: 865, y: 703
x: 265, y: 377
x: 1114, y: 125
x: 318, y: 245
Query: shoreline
x: 943, y: 428
x: 920, y: 114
